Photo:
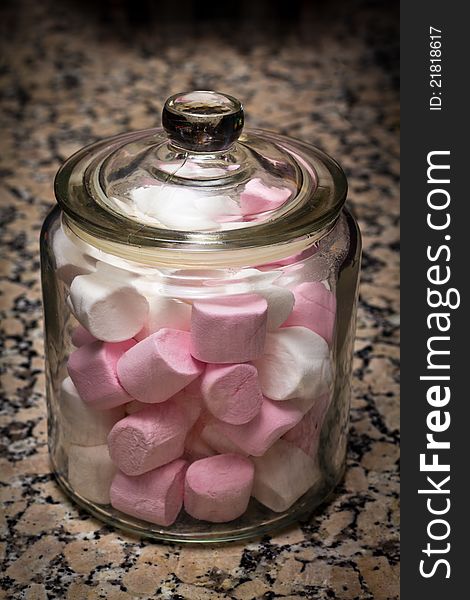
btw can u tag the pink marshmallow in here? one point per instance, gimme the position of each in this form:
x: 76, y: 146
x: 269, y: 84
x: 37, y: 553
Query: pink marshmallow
x: 218, y: 441
x: 134, y: 406
x: 190, y: 400
x: 272, y: 422
x: 156, y: 496
x: 230, y: 329
x: 314, y: 308
x: 195, y: 446
x: 159, y: 366
x: 232, y: 392
x: 81, y: 336
x: 218, y: 488
x: 92, y: 369
x: 149, y: 438
x: 306, y: 434
x: 258, y: 197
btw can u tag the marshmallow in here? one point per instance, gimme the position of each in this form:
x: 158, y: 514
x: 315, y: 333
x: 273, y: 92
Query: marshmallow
x: 81, y: 336
x: 165, y: 312
x: 108, y: 305
x: 232, y: 392
x: 172, y: 207
x: 306, y: 434
x: 70, y: 258
x: 295, y: 364
x: 159, y: 366
x: 156, y: 496
x: 90, y: 472
x: 229, y: 330
x: 149, y: 438
x: 280, y: 304
x: 92, y: 369
x: 195, y: 447
x: 280, y: 299
x: 218, y: 488
x: 258, y: 197
x: 218, y: 208
x: 85, y: 426
x: 315, y: 308
x: 218, y: 441
x: 272, y: 422
x: 134, y: 406
x: 283, y: 475
x: 303, y: 404
x: 190, y: 400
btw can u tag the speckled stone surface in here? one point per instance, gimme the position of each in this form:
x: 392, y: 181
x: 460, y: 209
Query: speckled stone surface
x: 69, y: 79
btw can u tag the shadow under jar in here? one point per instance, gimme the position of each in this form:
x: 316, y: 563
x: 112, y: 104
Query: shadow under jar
x: 200, y: 288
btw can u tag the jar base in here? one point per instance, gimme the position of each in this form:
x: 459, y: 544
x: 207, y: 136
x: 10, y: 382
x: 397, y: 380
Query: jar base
x: 190, y: 531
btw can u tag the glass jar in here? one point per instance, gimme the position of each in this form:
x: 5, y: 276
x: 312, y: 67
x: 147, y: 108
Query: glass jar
x: 200, y: 287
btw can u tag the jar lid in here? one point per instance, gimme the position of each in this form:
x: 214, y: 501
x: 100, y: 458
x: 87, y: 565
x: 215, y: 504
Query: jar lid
x: 201, y: 182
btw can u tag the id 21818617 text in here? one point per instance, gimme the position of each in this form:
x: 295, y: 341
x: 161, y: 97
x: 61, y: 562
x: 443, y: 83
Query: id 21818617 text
x: 435, y: 69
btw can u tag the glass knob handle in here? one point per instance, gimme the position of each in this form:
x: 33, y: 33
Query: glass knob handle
x: 203, y: 121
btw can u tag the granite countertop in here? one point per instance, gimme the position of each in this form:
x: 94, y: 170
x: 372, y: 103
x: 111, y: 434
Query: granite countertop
x: 69, y: 78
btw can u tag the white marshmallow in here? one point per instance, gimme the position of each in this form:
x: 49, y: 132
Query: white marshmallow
x: 172, y: 207
x: 85, y: 426
x: 108, y: 304
x: 219, y: 441
x: 283, y: 475
x: 70, y: 257
x: 91, y: 472
x: 165, y: 312
x: 280, y: 304
x: 302, y: 404
x: 295, y: 364
x: 217, y: 206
